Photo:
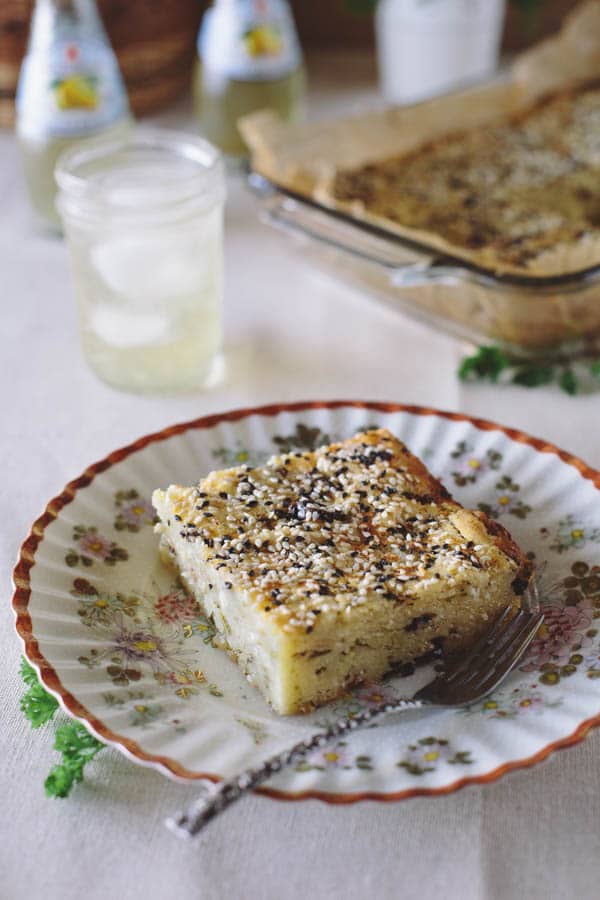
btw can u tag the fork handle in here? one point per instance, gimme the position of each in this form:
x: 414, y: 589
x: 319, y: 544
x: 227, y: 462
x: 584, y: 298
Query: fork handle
x: 192, y: 820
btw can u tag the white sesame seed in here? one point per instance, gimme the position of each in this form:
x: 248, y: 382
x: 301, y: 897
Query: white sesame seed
x: 261, y: 541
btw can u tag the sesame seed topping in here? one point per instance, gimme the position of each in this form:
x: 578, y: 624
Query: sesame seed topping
x: 329, y: 530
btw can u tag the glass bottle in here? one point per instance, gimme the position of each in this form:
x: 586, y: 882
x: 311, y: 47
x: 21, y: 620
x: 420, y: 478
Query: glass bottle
x: 249, y: 58
x: 70, y: 88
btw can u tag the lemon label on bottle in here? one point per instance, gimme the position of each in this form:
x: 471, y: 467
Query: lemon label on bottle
x: 248, y: 40
x: 74, y: 89
x: 77, y: 91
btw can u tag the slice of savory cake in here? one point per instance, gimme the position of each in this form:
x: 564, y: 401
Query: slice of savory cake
x: 325, y: 569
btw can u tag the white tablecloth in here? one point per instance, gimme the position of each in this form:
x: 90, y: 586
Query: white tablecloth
x: 292, y: 333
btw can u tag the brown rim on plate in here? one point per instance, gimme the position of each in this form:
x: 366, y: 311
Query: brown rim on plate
x: 70, y: 704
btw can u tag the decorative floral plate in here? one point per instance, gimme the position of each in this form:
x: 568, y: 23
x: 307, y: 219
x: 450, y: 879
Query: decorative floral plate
x: 127, y: 652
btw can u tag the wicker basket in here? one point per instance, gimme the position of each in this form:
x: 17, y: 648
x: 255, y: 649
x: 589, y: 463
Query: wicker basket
x: 154, y: 41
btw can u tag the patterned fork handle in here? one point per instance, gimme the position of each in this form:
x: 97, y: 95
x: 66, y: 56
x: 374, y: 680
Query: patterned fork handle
x: 189, y: 822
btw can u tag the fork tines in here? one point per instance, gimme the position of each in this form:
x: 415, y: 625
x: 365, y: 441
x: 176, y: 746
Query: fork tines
x: 487, y: 662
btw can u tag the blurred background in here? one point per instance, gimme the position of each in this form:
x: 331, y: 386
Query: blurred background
x: 155, y: 40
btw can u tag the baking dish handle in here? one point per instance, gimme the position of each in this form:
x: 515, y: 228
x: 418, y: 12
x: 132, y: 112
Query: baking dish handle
x: 402, y: 265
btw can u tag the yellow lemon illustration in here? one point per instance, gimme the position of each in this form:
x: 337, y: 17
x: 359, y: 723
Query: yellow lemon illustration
x: 263, y: 40
x: 76, y: 92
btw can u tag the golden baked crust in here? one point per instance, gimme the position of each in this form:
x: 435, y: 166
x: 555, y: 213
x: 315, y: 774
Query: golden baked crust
x: 327, y: 568
x: 515, y: 196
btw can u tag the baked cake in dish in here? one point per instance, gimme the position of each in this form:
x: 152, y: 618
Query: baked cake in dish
x: 516, y: 196
x: 328, y: 568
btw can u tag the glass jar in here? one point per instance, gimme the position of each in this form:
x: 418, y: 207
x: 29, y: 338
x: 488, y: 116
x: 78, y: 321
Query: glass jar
x: 143, y: 220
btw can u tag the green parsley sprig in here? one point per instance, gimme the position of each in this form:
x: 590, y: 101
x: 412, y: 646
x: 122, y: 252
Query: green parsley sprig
x: 492, y: 363
x: 72, y: 740
x: 37, y: 704
x: 77, y: 747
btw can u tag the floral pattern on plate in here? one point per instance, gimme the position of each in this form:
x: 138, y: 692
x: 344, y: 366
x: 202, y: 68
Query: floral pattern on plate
x: 428, y: 752
x: 133, y: 511
x: 93, y: 546
x: 127, y: 646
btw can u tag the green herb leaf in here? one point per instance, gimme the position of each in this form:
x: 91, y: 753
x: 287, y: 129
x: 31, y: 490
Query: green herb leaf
x: 36, y: 704
x: 532, y: 375
x: 28, y: 673
x: 76, y: 743
x: 488, y: 362
x: 60, y: 781
x: 77, y: 747
x: 73, y: 741
x: 568, y: 382
x: 595, y: 368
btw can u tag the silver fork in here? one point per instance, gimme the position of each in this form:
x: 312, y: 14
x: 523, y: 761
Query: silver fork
x: 465, y: 681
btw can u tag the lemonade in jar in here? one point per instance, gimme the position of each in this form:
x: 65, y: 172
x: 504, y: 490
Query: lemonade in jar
x: 143, y: 220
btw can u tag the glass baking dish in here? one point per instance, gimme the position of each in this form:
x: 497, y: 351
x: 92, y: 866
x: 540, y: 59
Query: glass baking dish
x: 528, y: 317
